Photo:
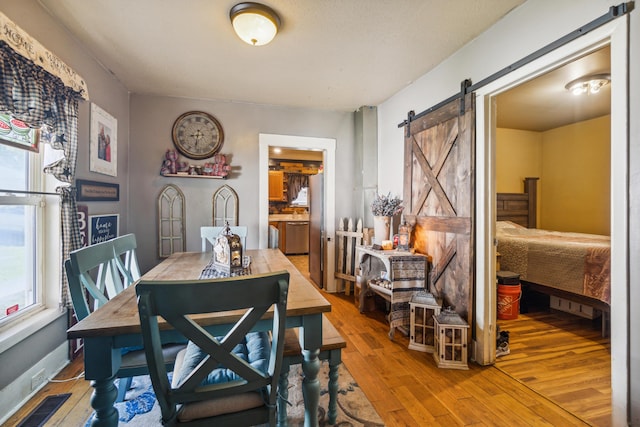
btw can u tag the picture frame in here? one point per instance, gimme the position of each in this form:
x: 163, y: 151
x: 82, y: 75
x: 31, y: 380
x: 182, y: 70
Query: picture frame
x: 103, y: 153
x: 95, y: 191
x: 15, y: 133
x: 103, y: 228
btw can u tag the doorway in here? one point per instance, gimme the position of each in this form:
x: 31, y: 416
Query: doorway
x: 328, y: 147
x: 613, y: 34
x: 545, y: 131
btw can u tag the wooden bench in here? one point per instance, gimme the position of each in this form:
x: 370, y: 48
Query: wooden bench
x: 331, y: 350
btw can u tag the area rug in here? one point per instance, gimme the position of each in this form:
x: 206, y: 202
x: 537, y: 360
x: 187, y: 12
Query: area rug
x: 354, y: 409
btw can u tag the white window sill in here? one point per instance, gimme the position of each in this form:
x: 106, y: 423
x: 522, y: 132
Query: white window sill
x: 17, y: 331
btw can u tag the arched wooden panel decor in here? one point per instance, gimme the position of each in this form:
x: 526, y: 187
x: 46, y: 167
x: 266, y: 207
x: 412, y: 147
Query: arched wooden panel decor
x: 171, y: 217
x: 439, y: 198
x: 225, y: 206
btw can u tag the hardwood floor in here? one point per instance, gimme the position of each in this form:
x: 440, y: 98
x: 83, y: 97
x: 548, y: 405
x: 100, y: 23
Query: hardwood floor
x: 563, y: 357
x: 407, y: 389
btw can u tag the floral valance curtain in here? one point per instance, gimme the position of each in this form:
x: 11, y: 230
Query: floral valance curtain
x: 31, y: 93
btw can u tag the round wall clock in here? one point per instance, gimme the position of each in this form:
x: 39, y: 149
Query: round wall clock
x: 197, y: 135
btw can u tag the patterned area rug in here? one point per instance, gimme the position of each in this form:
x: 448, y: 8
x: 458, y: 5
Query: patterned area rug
x: 354, y: 409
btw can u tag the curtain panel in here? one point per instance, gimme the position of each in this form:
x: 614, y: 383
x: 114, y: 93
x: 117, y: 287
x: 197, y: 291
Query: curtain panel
x: 295, y: 184
x: 30, y: 93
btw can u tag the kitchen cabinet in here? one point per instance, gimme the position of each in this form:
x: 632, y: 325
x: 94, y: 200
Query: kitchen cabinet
x: 277, y: 188
x: 293, y: 232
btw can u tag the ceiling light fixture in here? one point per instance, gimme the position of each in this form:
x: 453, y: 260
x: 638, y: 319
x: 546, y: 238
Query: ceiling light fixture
x: 255, y: 23
x: 588, y: 84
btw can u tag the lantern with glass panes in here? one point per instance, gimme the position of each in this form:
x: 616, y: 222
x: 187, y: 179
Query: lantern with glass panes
x: 424, y: 307
x: 227, y: 252
x: 450, y: 340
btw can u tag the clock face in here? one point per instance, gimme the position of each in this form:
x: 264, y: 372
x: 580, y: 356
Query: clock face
x: 197, y: 135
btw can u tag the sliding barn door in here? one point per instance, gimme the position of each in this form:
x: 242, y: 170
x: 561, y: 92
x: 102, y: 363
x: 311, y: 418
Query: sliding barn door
x: 439, y: 198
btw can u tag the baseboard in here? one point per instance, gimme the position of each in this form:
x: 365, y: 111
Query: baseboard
x: 18, y: 393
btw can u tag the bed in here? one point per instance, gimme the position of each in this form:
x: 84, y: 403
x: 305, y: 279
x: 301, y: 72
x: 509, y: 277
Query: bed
x: 574, y: 266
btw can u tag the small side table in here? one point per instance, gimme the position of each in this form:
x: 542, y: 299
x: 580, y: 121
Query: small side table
x: 404, y: 273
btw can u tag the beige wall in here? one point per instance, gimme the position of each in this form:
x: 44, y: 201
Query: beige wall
x: 572, y: 163
x: 576, y: 177
x: 152, y: 118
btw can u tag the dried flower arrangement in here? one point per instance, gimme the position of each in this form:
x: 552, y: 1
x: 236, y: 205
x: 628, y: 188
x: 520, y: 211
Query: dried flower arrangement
x: 386, y: 205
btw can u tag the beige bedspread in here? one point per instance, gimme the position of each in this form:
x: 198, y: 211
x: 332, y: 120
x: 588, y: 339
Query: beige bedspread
x: 573, y: 262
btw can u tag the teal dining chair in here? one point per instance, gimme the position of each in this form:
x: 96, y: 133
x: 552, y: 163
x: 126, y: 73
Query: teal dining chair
x: 95, y: 275
x: 229, y: 380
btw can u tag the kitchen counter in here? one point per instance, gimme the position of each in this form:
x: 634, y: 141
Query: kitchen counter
x: 288, y: 217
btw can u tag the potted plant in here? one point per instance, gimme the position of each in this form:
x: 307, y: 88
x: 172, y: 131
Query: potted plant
x: 383, y: 208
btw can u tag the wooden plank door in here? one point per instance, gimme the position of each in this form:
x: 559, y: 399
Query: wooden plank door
x: 439, y: 198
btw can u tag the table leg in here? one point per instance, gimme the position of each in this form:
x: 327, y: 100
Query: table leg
x: 334, y: 362
x: 311, y: 386
x: 283, y: 395
x: 102, y: 400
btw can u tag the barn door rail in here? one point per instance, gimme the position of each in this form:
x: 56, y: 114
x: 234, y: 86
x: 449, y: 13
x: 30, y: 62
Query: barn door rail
x: 614, y: 12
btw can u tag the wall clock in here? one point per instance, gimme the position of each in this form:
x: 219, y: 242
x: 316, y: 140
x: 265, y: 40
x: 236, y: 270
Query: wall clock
x: 197, y: 135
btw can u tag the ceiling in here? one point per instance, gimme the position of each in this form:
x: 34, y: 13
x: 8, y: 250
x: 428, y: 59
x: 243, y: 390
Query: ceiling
x: 544, y: 103
x: 329, y: 54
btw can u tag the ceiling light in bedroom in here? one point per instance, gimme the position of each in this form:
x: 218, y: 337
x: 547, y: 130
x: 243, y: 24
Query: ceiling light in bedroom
x: 255, y: 23
x: 588, y: 84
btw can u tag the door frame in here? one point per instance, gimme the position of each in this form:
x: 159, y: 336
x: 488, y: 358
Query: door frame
x: 615, y: 34
x: 328, y: 146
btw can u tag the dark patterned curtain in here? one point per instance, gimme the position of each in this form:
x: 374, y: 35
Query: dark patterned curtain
x: 38, y: 98
x: 295, y: 183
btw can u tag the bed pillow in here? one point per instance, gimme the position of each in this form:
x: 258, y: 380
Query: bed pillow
x: 254, y: 349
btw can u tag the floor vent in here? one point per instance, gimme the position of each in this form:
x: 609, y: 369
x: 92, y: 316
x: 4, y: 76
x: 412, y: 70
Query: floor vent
x: 44, y: 410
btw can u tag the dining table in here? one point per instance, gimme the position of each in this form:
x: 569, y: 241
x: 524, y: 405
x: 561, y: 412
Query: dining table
x: 116, y: 325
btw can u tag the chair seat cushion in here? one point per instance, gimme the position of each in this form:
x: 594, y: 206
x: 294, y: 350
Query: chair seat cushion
x: 254, y: 349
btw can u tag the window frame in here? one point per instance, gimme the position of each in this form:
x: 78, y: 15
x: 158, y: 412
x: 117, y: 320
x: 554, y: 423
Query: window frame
x: 46, y: 306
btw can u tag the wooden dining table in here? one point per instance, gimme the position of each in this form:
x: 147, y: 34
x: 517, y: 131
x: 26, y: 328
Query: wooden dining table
x: 116, y: 325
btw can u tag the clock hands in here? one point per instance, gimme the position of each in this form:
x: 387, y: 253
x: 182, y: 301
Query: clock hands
x: 197, y: 136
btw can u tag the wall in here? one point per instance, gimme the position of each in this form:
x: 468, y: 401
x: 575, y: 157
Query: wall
x: 573, y: 164
x: 152, y: 118
x: 518, y: 155
x: 109, y: 94
x: 514, y: 37
x: 575, y: 178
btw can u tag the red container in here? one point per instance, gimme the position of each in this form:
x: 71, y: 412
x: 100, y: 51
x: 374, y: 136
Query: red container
x: 509, y: 301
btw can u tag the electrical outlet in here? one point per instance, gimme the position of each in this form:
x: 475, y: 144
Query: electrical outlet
x: 38, y: 379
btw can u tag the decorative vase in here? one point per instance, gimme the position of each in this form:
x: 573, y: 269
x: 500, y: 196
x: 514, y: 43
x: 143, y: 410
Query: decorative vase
x: 381, y: 228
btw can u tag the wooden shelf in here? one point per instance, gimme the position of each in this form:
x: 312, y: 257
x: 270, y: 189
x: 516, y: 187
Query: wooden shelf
x: 175, y: 175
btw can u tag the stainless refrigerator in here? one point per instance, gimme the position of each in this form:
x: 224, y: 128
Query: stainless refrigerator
x: 316, y: 229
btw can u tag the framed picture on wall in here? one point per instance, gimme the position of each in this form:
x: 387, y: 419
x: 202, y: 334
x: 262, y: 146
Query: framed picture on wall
x: 102, y: 228
x: 16, y: 133
x: 94, y: 191
x: 103, y: 153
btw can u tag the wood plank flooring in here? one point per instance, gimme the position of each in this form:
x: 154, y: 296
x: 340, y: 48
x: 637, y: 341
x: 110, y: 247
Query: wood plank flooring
x: 563, y: 357
x: 407, y: 389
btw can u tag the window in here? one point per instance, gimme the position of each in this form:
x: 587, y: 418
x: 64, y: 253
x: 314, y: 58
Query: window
x: 20, y: 232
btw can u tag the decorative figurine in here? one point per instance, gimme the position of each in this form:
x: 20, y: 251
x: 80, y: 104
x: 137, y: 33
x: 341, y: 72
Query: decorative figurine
x: 227, y: 252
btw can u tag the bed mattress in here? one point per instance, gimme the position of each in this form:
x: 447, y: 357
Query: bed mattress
x: 573, y: 262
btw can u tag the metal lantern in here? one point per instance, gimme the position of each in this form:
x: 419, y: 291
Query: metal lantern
x: 227, y: 252
x: 424, y: 307
x: 450, y: 340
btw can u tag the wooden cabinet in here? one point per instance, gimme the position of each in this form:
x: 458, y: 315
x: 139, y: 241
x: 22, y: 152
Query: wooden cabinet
x: 277, y: 190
